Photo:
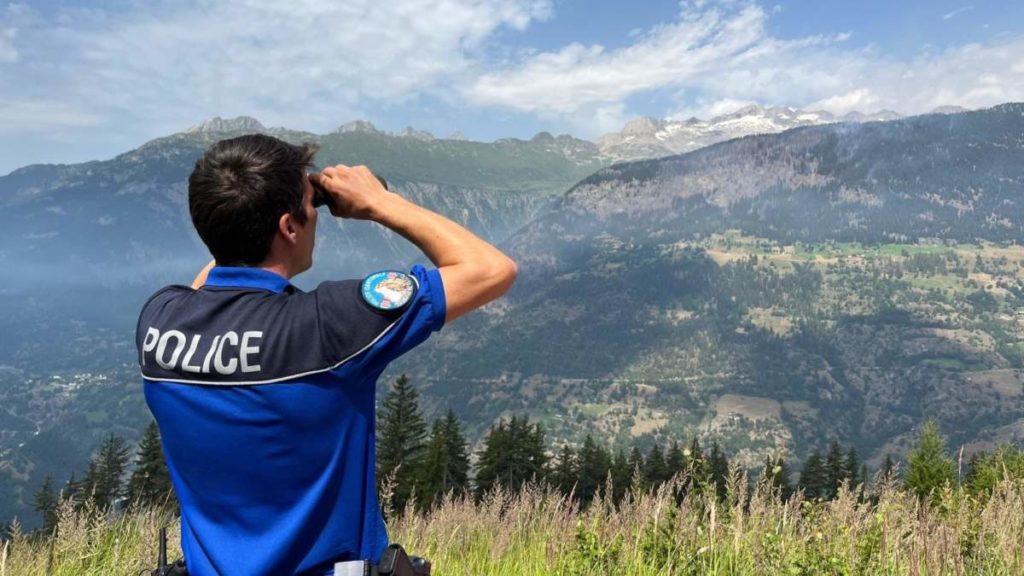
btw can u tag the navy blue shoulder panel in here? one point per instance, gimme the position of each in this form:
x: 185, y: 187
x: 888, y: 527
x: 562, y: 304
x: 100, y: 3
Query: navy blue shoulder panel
x: 232, y: 335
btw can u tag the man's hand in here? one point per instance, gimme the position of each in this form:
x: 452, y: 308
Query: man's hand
x: 355, y: 192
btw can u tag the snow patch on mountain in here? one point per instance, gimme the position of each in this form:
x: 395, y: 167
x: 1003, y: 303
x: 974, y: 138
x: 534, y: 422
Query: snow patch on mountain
x: 653, y: 138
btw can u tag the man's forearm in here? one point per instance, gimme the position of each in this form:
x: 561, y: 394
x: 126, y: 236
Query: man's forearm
x: 443, y: 241
x: 473, y: 271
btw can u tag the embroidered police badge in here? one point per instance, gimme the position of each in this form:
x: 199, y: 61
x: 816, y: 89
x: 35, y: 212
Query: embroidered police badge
x: 388, y: 289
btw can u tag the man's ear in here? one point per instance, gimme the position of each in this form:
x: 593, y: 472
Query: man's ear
x: 286, y: 227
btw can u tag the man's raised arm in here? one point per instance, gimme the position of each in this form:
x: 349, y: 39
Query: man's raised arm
x: 473, y: 272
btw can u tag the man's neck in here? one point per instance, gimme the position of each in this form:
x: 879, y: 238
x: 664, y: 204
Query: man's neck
x: 278, y: 268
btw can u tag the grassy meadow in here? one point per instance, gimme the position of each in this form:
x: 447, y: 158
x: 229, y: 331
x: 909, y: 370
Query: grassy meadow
x: 882, y: 530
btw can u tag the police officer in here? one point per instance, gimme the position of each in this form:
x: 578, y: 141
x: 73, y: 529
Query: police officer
x: 264, y: 393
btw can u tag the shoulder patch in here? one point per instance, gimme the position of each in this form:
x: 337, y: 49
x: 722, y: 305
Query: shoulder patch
x: 388, y: 289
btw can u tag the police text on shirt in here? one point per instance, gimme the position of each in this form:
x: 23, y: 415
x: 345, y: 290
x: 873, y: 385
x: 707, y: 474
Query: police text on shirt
x: 226, y: 353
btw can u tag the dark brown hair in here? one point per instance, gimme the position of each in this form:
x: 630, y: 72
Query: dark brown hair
x: 238, y: 191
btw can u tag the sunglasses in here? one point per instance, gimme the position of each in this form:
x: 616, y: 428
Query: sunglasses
x: 321, y: 197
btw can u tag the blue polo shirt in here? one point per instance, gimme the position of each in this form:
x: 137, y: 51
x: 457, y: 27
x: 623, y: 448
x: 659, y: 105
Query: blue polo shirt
x: 265, y: 399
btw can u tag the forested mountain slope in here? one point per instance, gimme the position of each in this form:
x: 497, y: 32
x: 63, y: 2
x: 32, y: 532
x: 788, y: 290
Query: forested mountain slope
x: 841, y: 281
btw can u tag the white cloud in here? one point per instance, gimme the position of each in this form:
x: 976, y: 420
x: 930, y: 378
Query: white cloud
x: 704, y: 108
x: 150, y: 68
x: 608, y: 118
x: 307, y: 63
x: 721, y: 53
x: 42, y: 116
x: 972, y: 76
x: 720, y: 56
x: 11, y: 18
x: 854, y: 100
x: 578, y: 77
x: 958, y: 11
x: 8, y: 51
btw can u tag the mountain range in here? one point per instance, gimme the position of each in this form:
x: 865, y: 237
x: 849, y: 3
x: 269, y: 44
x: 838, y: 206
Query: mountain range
x: 126, y: 220
x: 775, y: 291
x: 641, y: 138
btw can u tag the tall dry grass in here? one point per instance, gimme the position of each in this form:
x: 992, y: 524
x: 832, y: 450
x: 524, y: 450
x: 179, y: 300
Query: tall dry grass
x: 91, y: 542
x: 884, y: 531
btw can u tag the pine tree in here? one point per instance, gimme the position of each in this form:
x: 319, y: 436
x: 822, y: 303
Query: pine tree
x: 930, y: 466
x: 835, y: 470
x: 594, y: 464
x: 401, y: 440
x: 814, y: 476
x: 696, y: 452
x: 775, y: 475
x: 531, y: 450
x: 635, y: 461
x: 851, y: 467
x: 492, y: 461
x: 150, y: 482
x: 45, y: 502
x: 655, y: 472
x: 784, y: 478
x: 675, y: 461
x: 888, y: 469
x: 622, y: 475
x: 104, y: 480
x: 975, y: 464
x: 697, y: 466
x: 432, y: 476
x: 512, y: 455
x: 458, y: 454
x: 989, y: 470
x: 90, y: 482
x: 446, y: 464
x: 563, y: 475
x: 719, y: 466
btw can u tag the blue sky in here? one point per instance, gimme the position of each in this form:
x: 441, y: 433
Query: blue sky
x: 82, y: 80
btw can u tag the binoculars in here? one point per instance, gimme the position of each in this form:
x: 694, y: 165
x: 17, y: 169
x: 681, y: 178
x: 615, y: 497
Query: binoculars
x: 322, y: 197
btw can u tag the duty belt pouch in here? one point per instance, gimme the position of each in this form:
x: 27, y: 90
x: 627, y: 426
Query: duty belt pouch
x: 393, y: 562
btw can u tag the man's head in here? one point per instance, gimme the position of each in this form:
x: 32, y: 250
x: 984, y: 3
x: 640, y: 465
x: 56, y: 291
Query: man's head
x: 251, y: 201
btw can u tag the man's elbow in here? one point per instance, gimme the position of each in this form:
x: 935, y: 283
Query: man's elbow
x: 503, y: 273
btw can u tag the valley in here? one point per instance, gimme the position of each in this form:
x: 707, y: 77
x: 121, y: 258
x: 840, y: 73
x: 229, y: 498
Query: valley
x: 774, y: 293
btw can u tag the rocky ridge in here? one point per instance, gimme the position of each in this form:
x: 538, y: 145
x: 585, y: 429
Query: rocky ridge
x: 645, y: 137
x: 640, y: 139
